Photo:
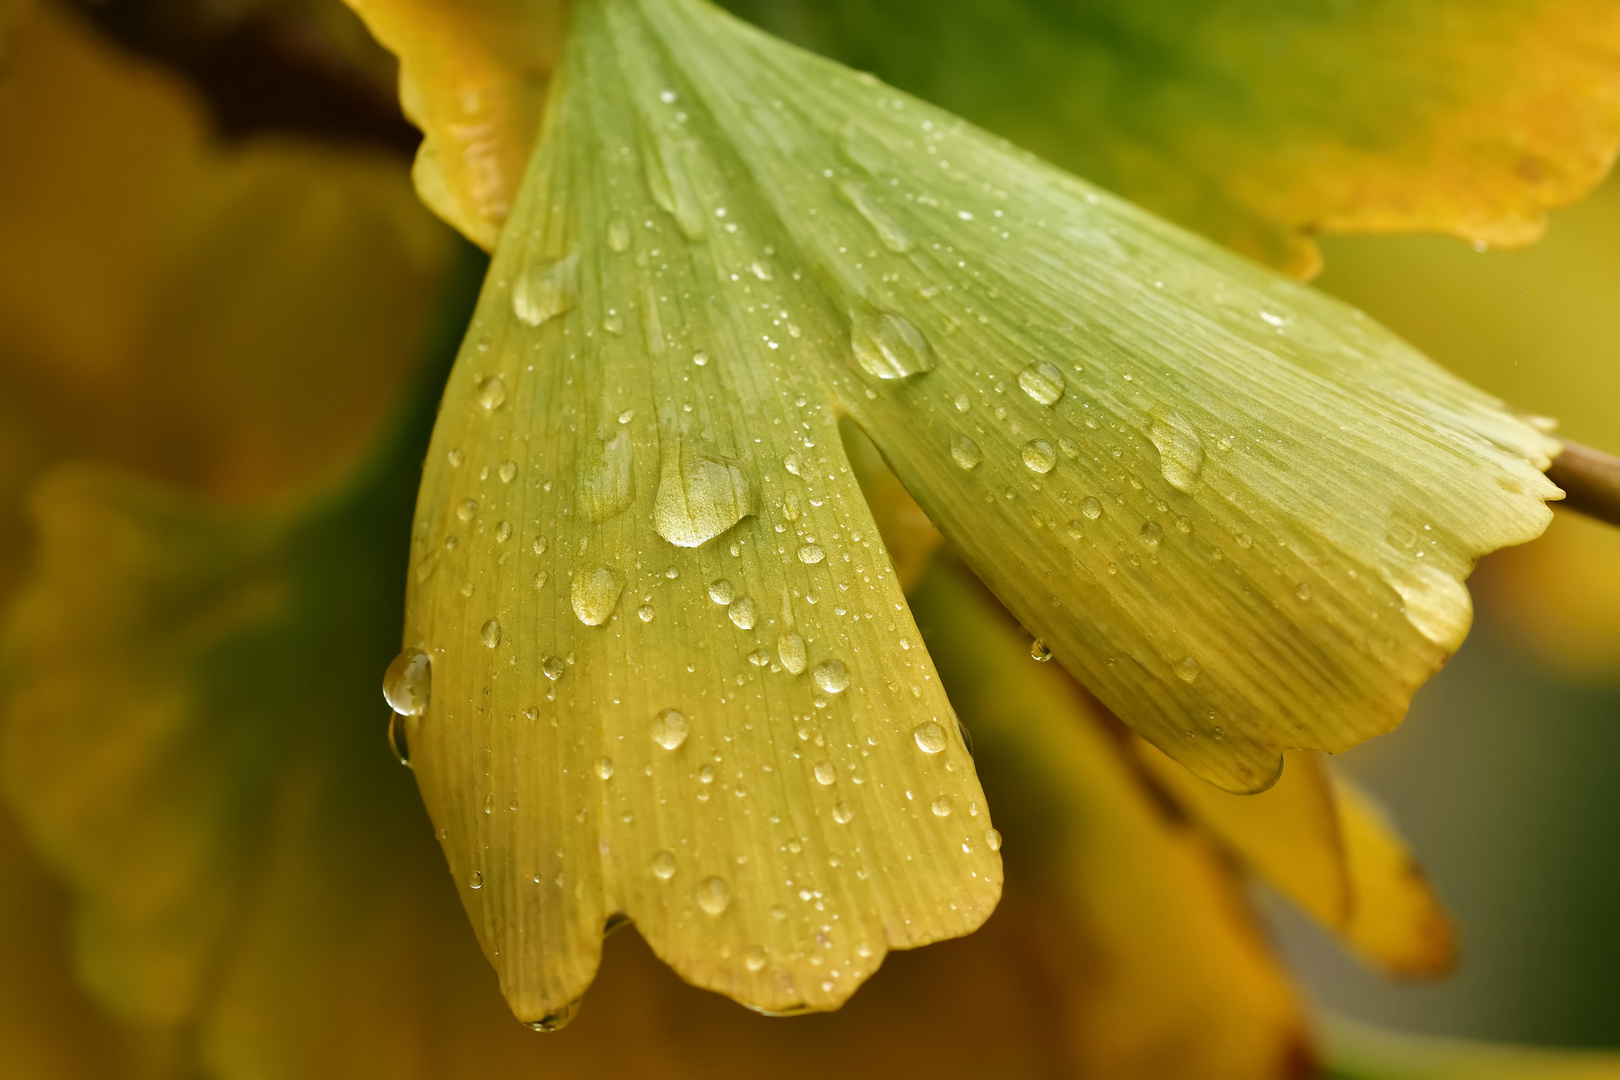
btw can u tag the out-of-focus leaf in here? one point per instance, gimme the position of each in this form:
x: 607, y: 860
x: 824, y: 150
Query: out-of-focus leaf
x: 1539, y: 327
x: 237, y: 321
x: 1324, y: 845
x: 1360, y: 1052
x: 1261, y: 122
x: 49, y: 1027
x: 1163, y: 973
x: 1289, y: 834
x: 473, y: 77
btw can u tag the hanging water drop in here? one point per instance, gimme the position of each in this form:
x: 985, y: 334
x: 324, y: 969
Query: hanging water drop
x: 399, y: 738
x: 408, y: 682
x: 1040, y: 651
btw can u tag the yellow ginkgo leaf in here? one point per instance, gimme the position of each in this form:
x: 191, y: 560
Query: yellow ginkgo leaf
x: 473, y: 77
x: 1322, y: 844
x: 1184, y: 983
x: 1237, y: 510
x: 1262, y: 124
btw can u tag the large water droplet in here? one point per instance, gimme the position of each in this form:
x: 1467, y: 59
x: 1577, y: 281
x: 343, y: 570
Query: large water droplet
x: 1188, y: 669
x: 595, y: 594
x: 553, y: 667
x: 670, y: 728
x: 721, y: 592
x: 1039, y: 457
x: 889, y: 231
x: 888, y: 345
x: 810, y: 554
x: 408, y: 682
x: 604, y: 768
x: 1090, y: 507
x: 842, y: 813
x: 1436, y: 604
x: 670, y: 184
x: 663, y: 865
x: 700, y: 495
x: 941, y: 806
x: 546, y: 290
x: 713, y: 895
x: 825, y: 773
x: 742, y: 613
x: 492, y: 392
x: 467, y: 510
x: 930, y: 737
x: 1181, y: 451
x: 1039, y: 650
x: 475, y: 880
x: 992, y: 839
x: 790, y: 650
x: 491, y: 633
x: 1043, y: 382
x: 606, y: 483
x: 831, y: 676
x: 754, y: 958
x: 965, y: 452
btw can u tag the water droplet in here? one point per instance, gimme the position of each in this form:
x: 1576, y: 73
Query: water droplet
x: 618, y: 235
x: 1039, y: 457
x: 663, y: 865
x: 700, y: 358
x: 540, y: 545
x: 831, y: 676
x: 1039, y: 650
x: 1090, y: 507
x: 706, y: 774
x: 492, y: 393
x: 475, y: 880
x: 645, y: 613
x: 962, y: 403
x: 455, y: 457
x: 930, y: 737
x: 408, y: 682
x: 941, y: 806
x: 713, y: 895
x: 890, y: 233
x: 503, y: 532
x: 825, y: 773
x: 810, y: 554
x: 604, y: 768
x: 1303, y: 592
x: 790, y: 650
x: 1435, y: 603
x: 720, y: 591
x: 467, y: 510
x: 558, y: 1020
x: 1152, y: 533
x: 742, y: 613
x: 399, y: 738
x: 1043, y: 382
x: 670, y: 728
x: 1244, y: 540
x: 760, y: 270
x: 491, y: 633
x: 595, y: 594
x: 508, y: 472
x: 1183, y: 524
x: 754, y: 958
x: 992, y: 839
x: 794, y: 464
x: 1188, y: 669
x: 606, y: 482
x: 700, y: 495
x: 965, y: 452
x: 759, y: 658
x: 553, y: 667
x: 888, y: 345
x: 546, y: 290
x: 1181, y: 451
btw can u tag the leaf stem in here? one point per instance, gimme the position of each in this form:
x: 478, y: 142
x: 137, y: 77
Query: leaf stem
x: 1590, y: 479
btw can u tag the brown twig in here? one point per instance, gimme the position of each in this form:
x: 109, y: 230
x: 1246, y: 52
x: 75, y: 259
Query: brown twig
x: 1591, y: 481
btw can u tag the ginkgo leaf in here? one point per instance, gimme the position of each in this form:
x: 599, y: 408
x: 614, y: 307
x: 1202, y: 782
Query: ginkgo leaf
x: 1237, y: 510
x: 1322, y: 844
x: 1185, y: 986
x: 1262, y: 124
x: 470, y: 77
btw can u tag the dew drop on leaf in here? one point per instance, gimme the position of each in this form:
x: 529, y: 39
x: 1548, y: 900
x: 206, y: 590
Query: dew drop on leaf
x: 491, y: 633
x: 742, y: 613
x: 965, y: 452
x: 790, y: 650
x: 595, y: 594
x: 720, y: 591
x: 492, y: 393
x: 1043, y: 382
x: 408, y: 682
x: 670, y: 728
x: 663, y: 865
x: 713, y: 895
x: 1181, y: 451
x: 546, y: 290
x: 930, y: 737
x: 831, y: 676
x: 1039, y: 457
x: 888, y: 345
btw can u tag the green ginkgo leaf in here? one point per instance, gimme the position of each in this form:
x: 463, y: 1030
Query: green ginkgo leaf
x: 672, y: 673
